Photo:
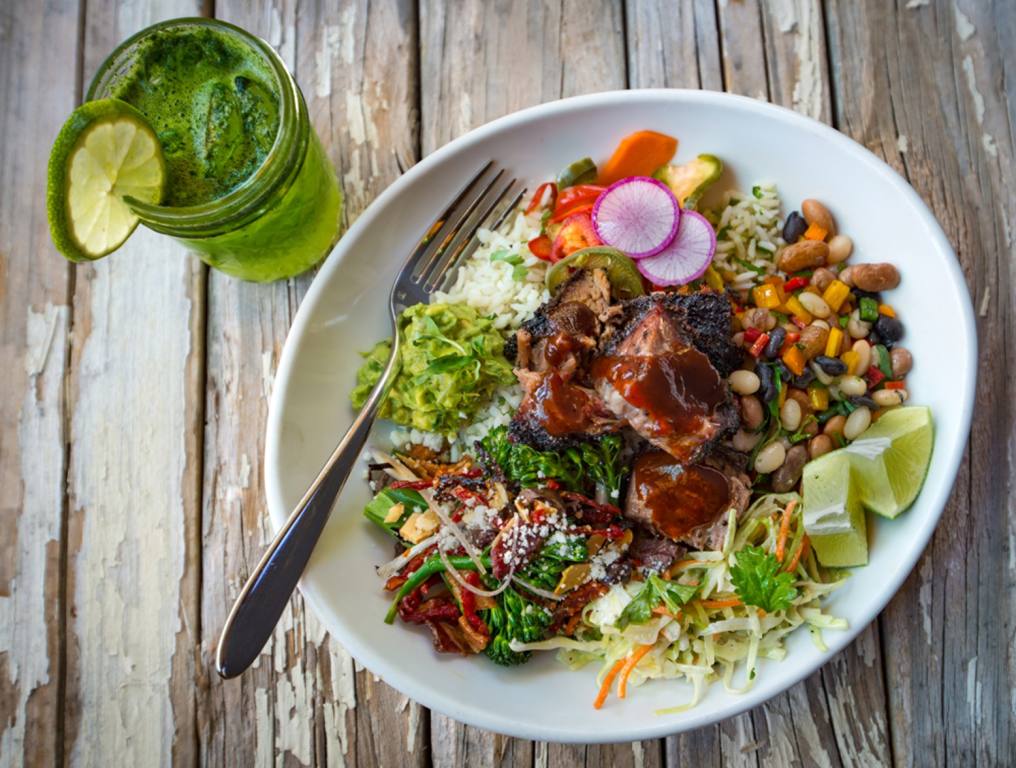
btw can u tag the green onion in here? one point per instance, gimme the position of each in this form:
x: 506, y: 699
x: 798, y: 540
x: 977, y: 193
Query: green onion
x: 868, y: 309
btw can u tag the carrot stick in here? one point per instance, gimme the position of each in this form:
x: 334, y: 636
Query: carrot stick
x: 781, y: 542
x: 729, y: 602
x: 638, y: 154
x: 605, y: 685
x: 801, y: 552
x: 662, y: 610
x: 629, y: 665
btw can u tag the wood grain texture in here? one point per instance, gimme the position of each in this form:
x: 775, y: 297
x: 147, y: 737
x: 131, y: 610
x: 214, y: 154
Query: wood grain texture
x: 37, y: 93
x: 303, y: 704
x: 929, y: 99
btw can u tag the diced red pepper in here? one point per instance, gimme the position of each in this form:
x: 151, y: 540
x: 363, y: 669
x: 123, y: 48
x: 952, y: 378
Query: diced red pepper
x: 538, y: 196
x: 795, y: 284
x: 759, y: 345
x: 416, y: 485
x: 896, y: 385
x: 575, y: 199
x: 541, y: 247
x: 552, y: 484
x: 791, y: 340
x: 610, y: 532
x: 751, y: 334
x: 576, y: 233
x: 469, y: 602
x: 399, y: 579
x: 799, y: 322
x: 465, y: 495
x: 874, y: 377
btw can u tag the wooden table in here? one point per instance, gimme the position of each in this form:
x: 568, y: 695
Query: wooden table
x: 135, y: 390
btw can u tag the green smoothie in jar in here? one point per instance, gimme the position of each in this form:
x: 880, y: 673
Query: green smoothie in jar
x: 247, y: 183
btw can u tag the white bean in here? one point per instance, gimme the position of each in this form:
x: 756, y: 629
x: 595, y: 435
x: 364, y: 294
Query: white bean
x: 820, y: 324
x: 744, y: 382
x: 815, y: 304
x: 770, y: 458
x: 840, y: 248
x: 856, y: 327
x: 863, y: 350
x: 790, y: 414
x: 744, y: 441
x: 852, y: 386
x: 821, y: 375
x: 887, y: 398
x: 856, y: 423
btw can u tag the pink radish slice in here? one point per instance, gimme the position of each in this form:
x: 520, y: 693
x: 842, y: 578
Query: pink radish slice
x: 687, y: 257
x: 637, y: 215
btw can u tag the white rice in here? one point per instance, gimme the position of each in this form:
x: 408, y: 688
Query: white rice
x: 748, y: 228
x: 490, y: 287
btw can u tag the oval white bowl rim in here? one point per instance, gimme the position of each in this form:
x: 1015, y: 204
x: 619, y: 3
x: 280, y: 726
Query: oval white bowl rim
x: 488, y: 718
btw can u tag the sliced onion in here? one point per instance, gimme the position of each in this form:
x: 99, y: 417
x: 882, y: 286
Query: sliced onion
x: 399, y: 470
x: 401, y: 560
x: 465, y: 584
x: 536, y: 590
x: 446, y: 521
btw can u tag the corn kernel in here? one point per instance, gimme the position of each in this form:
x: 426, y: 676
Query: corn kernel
x: 832, y: 347
x: 835, y: 294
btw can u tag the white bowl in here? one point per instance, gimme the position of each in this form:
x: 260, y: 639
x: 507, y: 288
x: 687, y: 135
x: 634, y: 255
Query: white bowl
x: 344, y: 313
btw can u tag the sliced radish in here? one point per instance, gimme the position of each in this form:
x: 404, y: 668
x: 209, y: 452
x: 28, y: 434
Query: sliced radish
x: 686, y: 257
x: 637, y: 215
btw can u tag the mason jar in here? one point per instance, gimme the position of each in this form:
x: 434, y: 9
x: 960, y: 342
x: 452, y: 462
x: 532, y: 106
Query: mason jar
x: 280, y: 220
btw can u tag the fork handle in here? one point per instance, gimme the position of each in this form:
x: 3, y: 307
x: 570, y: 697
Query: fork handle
x: 263, y: 599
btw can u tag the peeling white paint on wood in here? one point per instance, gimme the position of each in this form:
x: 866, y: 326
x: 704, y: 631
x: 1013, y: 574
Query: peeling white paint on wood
x: 964, y: 28
x: 128, y: 461
x: 975, y: 94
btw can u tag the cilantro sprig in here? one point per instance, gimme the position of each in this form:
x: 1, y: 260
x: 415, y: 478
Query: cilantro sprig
x: 759, y: 580
x: 655, y: 592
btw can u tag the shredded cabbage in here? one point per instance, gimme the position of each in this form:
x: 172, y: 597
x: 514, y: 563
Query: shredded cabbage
x: 707, y: 644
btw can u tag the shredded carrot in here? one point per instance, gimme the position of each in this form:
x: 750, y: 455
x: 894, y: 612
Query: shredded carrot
x: 781, y: 542
x: 605, y: 685
x: 629, y: 665
x: 801, y: 552
x: 638, y: 154
x: 662, y: 610
x: 729, y: 602
x: 815, y: 232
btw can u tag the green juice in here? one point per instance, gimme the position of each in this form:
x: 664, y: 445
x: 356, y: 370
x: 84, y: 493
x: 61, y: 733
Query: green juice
x: 248, y: 184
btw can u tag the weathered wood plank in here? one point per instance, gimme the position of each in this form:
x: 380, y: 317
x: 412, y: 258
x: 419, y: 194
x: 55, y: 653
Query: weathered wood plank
x: 39, y: 57
x: 929, y: 98
x: 133, y: 481
x: 304, y: 703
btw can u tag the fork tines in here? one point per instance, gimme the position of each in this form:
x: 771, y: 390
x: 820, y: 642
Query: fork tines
x: 486, y: 201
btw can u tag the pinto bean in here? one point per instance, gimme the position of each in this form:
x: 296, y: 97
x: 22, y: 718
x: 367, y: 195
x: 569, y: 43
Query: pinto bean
x: 875, y: 277
x: 804, y: 254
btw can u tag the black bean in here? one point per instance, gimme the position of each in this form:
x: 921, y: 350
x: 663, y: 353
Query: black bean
x: 785, y: 373
x: 874, y: 338
x: 831, y: 365
x: 859, y: 294
x: 889, y: 329
x: 794, y: 228
x: 860, y: 400
x: 807, y: 377
x: 776, y: 338
x: 767, y: 388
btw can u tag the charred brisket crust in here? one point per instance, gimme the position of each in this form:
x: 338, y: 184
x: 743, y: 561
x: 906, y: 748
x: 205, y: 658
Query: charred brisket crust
x: 541, y: 325
x: 527, y: 431
x: 705, y: 317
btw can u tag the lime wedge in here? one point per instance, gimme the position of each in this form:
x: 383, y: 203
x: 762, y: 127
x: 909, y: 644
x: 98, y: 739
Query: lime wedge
x: 891, y: 458
x: 106, y: 151
x: 621, y: 271
x: 833, y: 515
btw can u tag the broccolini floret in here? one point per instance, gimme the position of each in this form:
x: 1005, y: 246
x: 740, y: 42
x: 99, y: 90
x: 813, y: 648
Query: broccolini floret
x: 514, y: 618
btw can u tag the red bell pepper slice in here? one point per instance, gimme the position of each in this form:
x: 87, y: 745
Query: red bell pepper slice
x: 469, y: 602
x: 574, y: 200
x: 416, y: 485
x: 759, y: 345
x: 896, y: 385
x: 576, y: 233
x: 538, y: 196
x: 541, y: 247
x: 751, y: 334
x: 795, y: 283
x: 874, y: 377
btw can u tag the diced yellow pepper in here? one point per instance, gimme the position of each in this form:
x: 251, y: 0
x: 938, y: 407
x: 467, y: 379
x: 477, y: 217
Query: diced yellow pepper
x: 885, y: 309
x: 835, y: 294
x: 832, y: 347
x: 766, y: 296
x: 794, y: 359
x: 851, y: 358
x: 797, y: 309
x: 819, y: 397
x: 783, y: 396
x: 713, y: 279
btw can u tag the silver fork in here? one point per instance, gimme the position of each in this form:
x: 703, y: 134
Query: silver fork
x: 486, y: 200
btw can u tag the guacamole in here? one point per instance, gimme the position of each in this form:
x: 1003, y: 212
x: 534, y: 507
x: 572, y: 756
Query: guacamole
x: 452, y: 363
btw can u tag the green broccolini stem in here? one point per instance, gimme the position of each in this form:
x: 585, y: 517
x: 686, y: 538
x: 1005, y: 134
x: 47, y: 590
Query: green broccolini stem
x: 432, y: 566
